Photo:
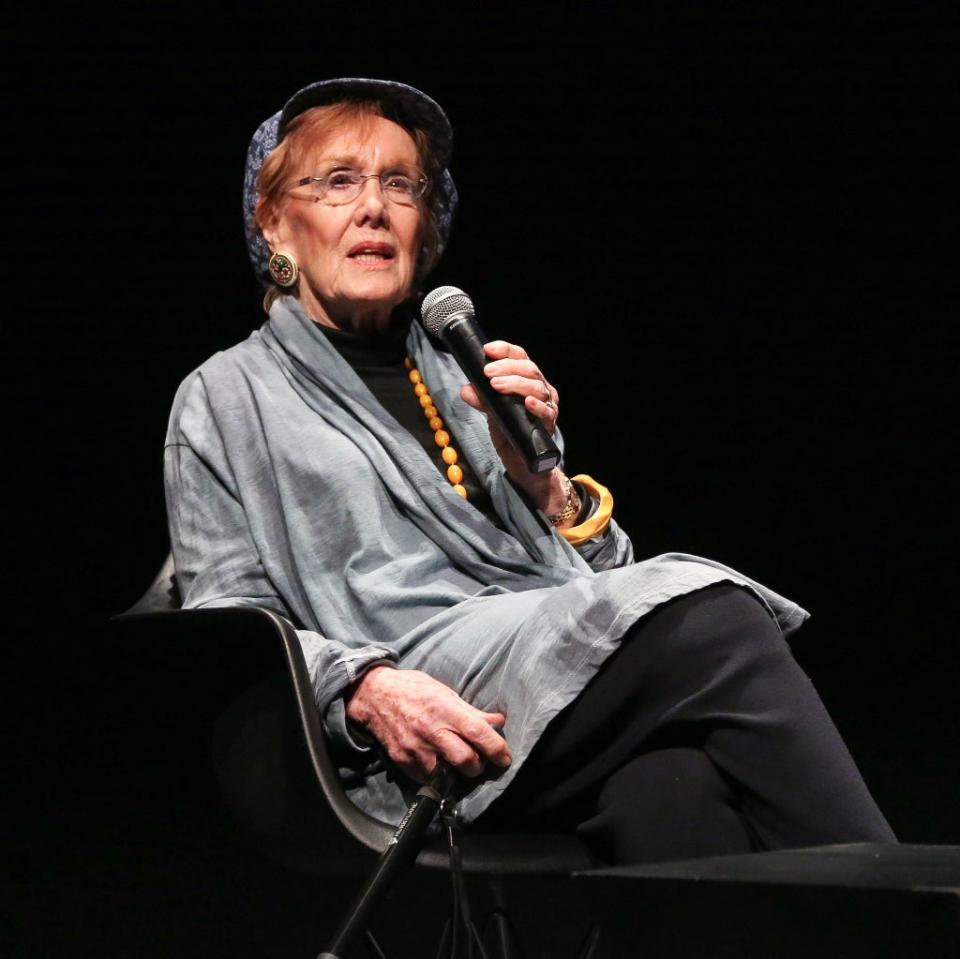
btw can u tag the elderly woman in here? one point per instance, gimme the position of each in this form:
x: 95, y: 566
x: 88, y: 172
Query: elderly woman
x: 335, y: 467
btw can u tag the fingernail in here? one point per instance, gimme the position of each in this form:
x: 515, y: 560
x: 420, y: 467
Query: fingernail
x: 490, y: 368
x: 497, y: 381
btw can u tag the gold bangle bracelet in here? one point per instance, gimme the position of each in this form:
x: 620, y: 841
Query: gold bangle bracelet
x: 596, y: 524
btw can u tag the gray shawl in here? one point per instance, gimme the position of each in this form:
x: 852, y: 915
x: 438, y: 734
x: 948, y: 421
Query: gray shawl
x: 289, y: 486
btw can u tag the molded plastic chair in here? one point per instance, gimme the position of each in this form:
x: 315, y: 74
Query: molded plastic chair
x: 159, y: 615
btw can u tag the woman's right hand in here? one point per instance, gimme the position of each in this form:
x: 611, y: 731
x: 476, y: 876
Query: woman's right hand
x: 418, y: 719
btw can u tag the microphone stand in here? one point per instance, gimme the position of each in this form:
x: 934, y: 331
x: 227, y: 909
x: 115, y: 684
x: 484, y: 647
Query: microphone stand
x: 401, y: 850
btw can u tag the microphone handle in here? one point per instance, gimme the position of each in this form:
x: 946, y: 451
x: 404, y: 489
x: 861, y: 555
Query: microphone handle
x: 525, y: 431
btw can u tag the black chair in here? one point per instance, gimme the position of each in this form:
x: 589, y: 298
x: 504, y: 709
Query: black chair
x: 157, y: 614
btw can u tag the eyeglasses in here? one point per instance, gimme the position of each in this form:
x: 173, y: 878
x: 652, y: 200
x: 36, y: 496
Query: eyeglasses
x: 344, y: 186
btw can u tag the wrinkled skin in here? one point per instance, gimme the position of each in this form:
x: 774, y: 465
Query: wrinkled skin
x: 416, y: 719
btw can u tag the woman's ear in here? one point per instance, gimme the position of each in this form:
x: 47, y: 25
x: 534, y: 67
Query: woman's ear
x: 271, y: 226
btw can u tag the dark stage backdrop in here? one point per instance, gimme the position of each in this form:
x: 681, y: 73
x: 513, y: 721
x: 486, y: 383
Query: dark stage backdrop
x: 730, y: 239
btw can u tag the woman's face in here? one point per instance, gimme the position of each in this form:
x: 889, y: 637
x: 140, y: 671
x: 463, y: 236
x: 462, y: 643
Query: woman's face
x: 357, y: 260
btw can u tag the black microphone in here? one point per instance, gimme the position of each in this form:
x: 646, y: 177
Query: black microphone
x: 448, y: 313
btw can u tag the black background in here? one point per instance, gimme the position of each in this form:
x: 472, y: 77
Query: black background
x: 728, y: 237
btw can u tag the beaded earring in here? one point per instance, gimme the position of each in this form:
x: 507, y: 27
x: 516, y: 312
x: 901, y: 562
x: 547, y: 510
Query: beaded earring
x: 283, y: 269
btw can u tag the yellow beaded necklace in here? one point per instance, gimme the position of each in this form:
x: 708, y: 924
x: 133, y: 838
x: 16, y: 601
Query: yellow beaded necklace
x: 442, y: 438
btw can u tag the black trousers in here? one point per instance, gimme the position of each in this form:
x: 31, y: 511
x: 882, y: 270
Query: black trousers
x: 701, y: 735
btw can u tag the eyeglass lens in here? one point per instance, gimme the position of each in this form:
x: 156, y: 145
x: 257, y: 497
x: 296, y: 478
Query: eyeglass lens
x: 344, y: 186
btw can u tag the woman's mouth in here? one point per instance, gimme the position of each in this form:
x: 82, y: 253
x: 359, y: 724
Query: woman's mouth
x: 376, y: 255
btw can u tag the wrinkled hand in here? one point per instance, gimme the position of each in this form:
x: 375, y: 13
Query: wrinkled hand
x: 511, y: 371
x: 418, y: 719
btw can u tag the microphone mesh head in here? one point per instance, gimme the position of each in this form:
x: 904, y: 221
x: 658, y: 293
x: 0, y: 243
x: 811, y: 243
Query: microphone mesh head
x: 440, y: 304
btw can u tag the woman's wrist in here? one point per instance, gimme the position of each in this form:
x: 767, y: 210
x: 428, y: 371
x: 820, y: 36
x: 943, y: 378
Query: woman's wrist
x: 571, y: 506
x: 355, y: 701
x: 548, y: 491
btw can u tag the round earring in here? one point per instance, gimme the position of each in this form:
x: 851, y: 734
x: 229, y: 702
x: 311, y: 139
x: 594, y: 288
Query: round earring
x: 283, y: 269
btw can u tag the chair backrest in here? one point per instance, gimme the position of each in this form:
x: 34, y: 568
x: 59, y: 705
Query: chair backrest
x: 487, y: 854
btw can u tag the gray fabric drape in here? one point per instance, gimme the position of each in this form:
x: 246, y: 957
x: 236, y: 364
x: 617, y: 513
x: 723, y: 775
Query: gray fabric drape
x: 289, y: 486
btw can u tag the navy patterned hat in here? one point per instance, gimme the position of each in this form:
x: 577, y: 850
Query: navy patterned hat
x: 413, y: 107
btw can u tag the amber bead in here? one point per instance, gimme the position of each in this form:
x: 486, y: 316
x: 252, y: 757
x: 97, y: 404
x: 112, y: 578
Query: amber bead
x: 440, y: 436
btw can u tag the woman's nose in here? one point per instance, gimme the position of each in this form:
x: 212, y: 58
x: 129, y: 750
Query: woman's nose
x: 372, y: 204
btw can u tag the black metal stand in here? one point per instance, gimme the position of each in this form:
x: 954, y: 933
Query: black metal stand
x: 461, y: 919
x: 401, y: 851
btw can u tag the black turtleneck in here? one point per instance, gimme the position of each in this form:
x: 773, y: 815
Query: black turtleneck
x: 378, y: 361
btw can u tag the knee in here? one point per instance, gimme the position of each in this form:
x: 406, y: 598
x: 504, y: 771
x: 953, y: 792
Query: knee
x: 735, y: 616
x: 725, y: 620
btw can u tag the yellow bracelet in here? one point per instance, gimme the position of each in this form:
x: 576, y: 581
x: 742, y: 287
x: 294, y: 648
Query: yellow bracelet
x: 596, y: 524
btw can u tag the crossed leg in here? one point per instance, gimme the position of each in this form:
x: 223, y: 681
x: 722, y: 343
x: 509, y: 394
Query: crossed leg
x: 700, y: 735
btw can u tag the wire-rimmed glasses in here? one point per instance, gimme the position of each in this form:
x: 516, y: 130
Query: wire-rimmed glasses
x: 403, y: 186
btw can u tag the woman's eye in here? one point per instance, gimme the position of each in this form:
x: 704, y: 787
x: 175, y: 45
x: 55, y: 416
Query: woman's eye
x: 340, y: 180
x: 399, y: 183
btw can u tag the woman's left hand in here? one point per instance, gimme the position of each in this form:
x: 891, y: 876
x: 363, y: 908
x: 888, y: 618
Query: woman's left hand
x: 512, y: 372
